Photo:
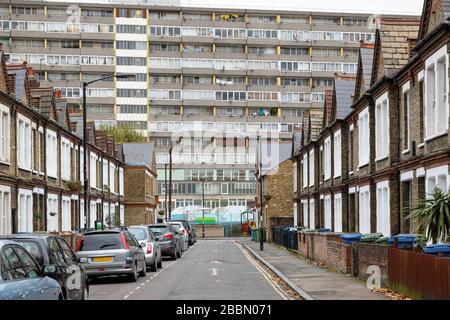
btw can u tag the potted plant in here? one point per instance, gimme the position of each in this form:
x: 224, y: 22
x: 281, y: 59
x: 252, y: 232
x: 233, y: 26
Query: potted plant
x: 73, y: 185
x: 52, y: 214
x: 267, y: 197
x: 432, y: 217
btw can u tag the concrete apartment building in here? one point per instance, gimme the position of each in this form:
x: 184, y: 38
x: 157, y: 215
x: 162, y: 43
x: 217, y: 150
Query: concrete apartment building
x: 208, y: 81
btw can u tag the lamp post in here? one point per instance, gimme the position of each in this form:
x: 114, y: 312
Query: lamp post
x: 203, y: 207
x: 165, y: 191
x: 261, y: 240
x: 86, y: 180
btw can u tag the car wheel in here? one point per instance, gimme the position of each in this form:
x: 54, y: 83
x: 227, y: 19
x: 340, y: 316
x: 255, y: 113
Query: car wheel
x: 154, y: 266
x: 160, y: 262
x: 175, y: 254
x: 180, y: 252
x: 143, y: 273
x: 133, y: 276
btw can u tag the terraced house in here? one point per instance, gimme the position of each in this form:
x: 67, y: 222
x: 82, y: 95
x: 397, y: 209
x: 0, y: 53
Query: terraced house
x: 388, y: 149
x: 207, y: 80
x: 41, y: 162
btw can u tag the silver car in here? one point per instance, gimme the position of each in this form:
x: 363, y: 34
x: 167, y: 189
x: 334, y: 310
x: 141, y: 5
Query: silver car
x: 21, y: 277
x: 111, y: 252
x: 152, y: 249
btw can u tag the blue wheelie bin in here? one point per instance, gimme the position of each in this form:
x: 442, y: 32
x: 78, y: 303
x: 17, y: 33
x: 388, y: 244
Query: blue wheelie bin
x: 436, y: 249
x: 405, y: 241
x: 351, y: 238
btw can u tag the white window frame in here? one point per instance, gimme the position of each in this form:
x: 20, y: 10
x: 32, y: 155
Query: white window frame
x: 66, y: 214
x: 364, y: 210
x: 5, y: 134
x: 312, y: 217
x: 51, y: 154
x: 52, y: 206
x: 5, y: 210
x: 383, y: 208
x: 337, y: 153
x: 338, y: 212
x: 93, y: 158
x: 327, y: 159
x: 436, y: 178
x: 24, y: 147
x: 25, y: 210
x: 305, y: 211
x: 305, y: 171
x: 406, y: 90
x: 121, y: 182
x: 363, y: 138
x: 295, y: 172
x: 382, y: 127
x: 66, y: 159
x: 112, y: 177
x: 327, y: 212
x: 105, y: 173
x: 311, y: 167
x: 436, y: 111
x: 92, y: 213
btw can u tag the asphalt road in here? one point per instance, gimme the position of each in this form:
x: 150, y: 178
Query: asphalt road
x: 209, y: 270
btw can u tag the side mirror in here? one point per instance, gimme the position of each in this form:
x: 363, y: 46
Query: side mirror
x: 156, y: 239
x: 143, y: 245
x: 49, y: 271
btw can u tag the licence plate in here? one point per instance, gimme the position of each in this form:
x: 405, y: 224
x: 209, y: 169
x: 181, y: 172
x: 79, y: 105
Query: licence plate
x: 102, y: 259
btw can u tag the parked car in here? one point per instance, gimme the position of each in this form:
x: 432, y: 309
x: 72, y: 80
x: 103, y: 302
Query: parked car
x: 191, y: 231
x: 51, y: 250
x: 152, y: 249
x: 169, y: 240
x: 22, y: 278
x: 111, y: 252
x: 183, y: 234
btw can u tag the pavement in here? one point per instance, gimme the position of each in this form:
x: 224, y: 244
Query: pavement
x: 318, y: 283
x: 209, y: 270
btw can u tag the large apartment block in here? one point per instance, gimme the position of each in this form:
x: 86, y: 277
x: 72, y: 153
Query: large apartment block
x: 207, y: 81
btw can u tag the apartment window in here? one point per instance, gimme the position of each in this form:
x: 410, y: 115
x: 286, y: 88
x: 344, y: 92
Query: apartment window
x: 262, y: 33
x: 66, y: 159
x: 153, y: 15
x: 131, y: 61
x: 262, y: 50
x: 96, y: 28
x: 96, y: 13
x: 327, y: 212
x: 294, y: 51
x: 63, y: 76
x: 262, y: 96
x: 311, y: 168
x: 165, y: 94
x: 363, y: 138
x: 24, y: 147
x: 327, y: 159
x: 131, y: 93
x: 25, y: 210
x: 5, y: 210
x: 26, y: 10
x: 137, y: 125
x: 66, y: 218
x: 294, y: 66
x: 197, y: 79
x: 225, y: 81
x: 326, y: 21
x: 131, y: 13
x: 300, y: 82
x: 125, y: 28
x: 406, y: 115
x: 165, y: 31
x: 338, y: 212
x: 337, y: 152
x: 197, y: 16
x: 383, y: 209
x: 294, y: 19
x: 52, y: 213
x: 436, y: 91
x: 133, y: 109
x: 291, y: 35
x: 131, y: 45
x: 305, y: 170
x: 4, y: 134
x: 322, y: 82
x: 63, y: 11
x: 292, y: 112
x: 28, y: 43
x: 164, y: 79
x: 262, y: 19
x: 98, y: 44
x: 312, y: 215
x: 356, y: 22
x: 164, y: 47
x: 31, y: 26
x: 97, y: 60
x: 382, y: 127
x: 231, y: 95
x: 230, y: 33
x: 137, y: 77
x: 100, y: 92
x: 326, y: 52
x: 230, y: 49
x: 364, y: 210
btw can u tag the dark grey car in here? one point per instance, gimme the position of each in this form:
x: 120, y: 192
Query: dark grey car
x: 111, y: 252
x: 169, y: 240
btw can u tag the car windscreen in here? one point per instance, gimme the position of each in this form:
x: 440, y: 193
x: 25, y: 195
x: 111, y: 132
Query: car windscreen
x: 176, y: 226
x: 101, y: 241
x: 33, y: 248
x: 138, y: 233
x: 185, y: 224
x: 159, y: 230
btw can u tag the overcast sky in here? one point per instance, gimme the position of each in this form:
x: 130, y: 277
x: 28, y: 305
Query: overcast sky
x: 367, y: 6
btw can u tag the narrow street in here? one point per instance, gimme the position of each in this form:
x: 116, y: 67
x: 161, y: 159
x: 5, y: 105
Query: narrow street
x: 210, y: 270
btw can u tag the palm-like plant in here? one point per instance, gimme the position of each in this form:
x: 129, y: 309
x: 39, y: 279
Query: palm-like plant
x: 432, y: 216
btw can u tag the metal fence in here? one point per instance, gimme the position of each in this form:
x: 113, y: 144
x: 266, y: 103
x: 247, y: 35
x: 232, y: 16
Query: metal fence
x: 286, y: 237
x: 418, y: 275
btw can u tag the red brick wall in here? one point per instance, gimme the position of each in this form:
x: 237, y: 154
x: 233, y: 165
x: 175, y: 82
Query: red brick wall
x: 372, y: 255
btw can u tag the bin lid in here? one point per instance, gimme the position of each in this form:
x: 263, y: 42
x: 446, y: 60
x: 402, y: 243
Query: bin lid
x: 351, y: 236
x: 437, y: 248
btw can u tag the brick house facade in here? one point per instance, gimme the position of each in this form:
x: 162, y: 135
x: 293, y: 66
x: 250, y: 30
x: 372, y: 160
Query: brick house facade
x: 41, y: 161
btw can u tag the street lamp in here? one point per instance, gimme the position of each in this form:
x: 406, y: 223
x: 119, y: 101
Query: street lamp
x: 165, y: 191
x: 86, y: 180
x: 203, y: 206
x: 260, y: 176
